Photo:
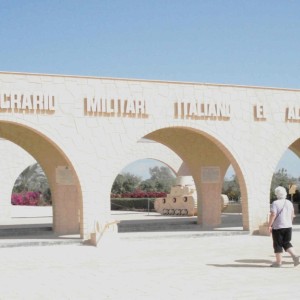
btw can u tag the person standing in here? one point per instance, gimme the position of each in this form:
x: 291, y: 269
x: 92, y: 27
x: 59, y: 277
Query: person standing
x: 280, y: 226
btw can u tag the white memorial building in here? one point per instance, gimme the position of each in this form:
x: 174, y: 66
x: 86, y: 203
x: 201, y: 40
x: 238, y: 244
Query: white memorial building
x: 84, y: 130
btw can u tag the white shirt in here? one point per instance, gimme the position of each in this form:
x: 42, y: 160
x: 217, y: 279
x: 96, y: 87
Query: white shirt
x: 284, y: 217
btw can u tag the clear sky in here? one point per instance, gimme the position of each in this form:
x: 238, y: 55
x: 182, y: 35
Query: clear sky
x: 246, y: 42
x: 234, y: 41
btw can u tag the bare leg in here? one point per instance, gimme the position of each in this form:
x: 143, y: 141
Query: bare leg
x: 291, y: 251
x: 277, y: 263
x: 278, y: 258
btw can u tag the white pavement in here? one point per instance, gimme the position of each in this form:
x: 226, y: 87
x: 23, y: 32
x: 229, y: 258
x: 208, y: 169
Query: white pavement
x: 150, y: 266
x: 223, y: 267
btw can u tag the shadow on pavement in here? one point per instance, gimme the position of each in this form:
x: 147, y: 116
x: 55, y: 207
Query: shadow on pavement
x: 250, y: 263
x: 246, y: 263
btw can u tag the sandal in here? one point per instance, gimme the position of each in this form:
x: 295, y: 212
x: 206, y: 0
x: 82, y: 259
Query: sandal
x: 296, y: 261
x: 276, y: 265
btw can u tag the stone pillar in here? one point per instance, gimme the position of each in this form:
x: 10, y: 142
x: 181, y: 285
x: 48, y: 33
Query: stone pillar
x: 210, y: 213
x: 65, y: 210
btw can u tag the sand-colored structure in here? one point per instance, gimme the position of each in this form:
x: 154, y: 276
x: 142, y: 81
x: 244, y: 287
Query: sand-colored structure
x: 84, y: 130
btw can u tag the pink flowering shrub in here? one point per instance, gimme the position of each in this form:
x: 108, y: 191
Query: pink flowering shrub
x: 140, y: 194
x: 25, y: 198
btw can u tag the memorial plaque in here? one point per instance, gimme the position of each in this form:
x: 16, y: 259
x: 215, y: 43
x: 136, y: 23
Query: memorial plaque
x: 210, y: 174
x: 292, y: 189
x: 64, y: 176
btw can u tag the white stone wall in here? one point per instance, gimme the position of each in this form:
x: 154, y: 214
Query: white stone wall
x: 99, y: 146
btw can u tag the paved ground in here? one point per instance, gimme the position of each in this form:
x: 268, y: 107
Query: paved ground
x: 150, y: 266
x: 223, y: 267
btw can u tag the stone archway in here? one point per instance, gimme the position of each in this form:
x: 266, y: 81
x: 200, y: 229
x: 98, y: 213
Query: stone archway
x: 207, y: 160
x: 62, y: 178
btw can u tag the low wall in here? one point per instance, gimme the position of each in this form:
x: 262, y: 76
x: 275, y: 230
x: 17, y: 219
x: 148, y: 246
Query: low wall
x: 132, y: 203
x: 232, y: 208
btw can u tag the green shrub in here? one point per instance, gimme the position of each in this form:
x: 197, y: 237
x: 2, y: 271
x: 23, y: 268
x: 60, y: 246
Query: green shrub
x: 139, y: 204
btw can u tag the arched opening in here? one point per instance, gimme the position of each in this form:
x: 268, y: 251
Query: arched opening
x: 287, y: 174
x: 138, y: 185
x: 231, y: 187
x: 62, y: 178
x: 207, y: 160
x: 32, y: 179
x: 141, y: 167
x: 231, y: 199
x: 14, y: 161
x: 31, y: 202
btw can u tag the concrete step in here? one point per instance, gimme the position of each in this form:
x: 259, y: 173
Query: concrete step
x: 229, y: 223
x: 156, y: 227
x: 156, y: 235
x: 24, y: 230
x: 27, y: 235
x: 34, y: 241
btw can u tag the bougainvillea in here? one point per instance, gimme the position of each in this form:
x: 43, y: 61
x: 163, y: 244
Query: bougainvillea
x: 140, y: 194
x: 25, y: 198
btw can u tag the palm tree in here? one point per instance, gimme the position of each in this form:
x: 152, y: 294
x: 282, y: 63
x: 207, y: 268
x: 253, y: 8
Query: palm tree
x: 34, y: 179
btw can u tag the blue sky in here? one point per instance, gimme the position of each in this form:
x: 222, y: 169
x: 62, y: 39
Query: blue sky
x: 232, y: 42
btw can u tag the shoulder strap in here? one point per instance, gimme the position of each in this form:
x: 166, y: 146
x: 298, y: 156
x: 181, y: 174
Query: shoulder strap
x: 280, y: 211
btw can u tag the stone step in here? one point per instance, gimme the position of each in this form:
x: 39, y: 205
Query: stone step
x: 34, y: 235
x: 24, y: 230
x: 33, y: 241
x: 176, y: 224
x: 157, y: 227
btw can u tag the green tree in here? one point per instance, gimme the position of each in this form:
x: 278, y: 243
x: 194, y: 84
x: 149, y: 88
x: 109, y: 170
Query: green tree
x: 161, y: 180
x: 33, y: 179
x: 125, y: 183
x: 281, y: 178
x: 147, y: 185
x: 231, y: 188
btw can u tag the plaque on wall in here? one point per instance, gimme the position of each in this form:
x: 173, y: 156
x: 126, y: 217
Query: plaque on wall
x: 210, y: 174
x: 64, y: 175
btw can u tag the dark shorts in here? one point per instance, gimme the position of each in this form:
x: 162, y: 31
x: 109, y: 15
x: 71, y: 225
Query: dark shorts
x: 282, y: 239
